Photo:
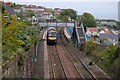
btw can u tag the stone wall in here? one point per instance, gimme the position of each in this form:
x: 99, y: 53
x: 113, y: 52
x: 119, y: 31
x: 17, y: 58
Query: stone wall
x: 22, y: 71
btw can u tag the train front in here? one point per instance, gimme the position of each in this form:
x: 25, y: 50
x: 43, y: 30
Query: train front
x: 52, y: 37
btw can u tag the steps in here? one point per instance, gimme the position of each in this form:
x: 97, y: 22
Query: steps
x: 81, y: 35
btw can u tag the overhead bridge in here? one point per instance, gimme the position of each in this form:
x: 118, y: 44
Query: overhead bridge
x: 56, y: 24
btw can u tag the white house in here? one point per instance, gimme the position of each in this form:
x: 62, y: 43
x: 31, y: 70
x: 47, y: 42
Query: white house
x: 17, y: 10
x: 92, y: 31
x: 104, y: 31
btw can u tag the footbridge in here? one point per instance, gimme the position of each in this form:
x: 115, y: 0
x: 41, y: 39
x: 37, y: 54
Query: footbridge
x: 79, y: 35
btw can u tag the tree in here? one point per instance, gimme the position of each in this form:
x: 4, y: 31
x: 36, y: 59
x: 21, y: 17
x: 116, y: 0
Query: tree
x: 13, y: 5
x: 17, y: 36
x: 19, y: 14
x: 10, y: 41
x: 68, y: 14
x: 64, y: 18
x: 53, y: 13
x: 30, y: 13
x: 88, y: 20
x: 3, y: 9
x: 112, y: 54
x: 90, y: 46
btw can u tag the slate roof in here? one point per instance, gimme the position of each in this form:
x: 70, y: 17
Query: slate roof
x: 110, y: 36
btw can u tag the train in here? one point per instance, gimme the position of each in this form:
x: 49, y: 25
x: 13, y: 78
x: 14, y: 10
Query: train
x: 52, y: 35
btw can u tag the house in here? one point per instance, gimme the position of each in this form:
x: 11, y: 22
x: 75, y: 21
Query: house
x: 17, y: 10
x: 31, y: 7
x: 102, y: 27
x: 48, y: 9
x: 57, y: 9
x: 107, y: 31
x: 7, y: 3
x: 92, y: 31
x: 47, y: 12
x: 57, y: 13
x: 62, y: 10
x: 109, y: 38
x: 10, y: 11
x: 39, y: 13
x: 45, y: 16
x: 109, y: 23
x: 104, y: 31
x: 40, y: 8
x: 115, y: 32
x: 35, y: 8
x: 23, y: 8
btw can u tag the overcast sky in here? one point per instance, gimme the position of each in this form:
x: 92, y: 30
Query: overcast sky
x: 100, y: 9
x: 63, y: 0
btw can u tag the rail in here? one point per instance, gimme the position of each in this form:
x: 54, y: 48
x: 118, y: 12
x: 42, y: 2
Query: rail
x: 80, y: 34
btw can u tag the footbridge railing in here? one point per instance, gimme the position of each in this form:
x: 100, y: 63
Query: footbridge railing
x: 56, y: 24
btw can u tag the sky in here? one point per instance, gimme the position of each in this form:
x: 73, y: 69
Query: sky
x: 103, y: 9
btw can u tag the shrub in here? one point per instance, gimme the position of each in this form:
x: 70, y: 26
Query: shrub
x: 112, y: 54
x: 90, y: 46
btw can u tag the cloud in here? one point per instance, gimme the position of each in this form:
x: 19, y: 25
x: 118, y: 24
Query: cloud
x: 62, y: 0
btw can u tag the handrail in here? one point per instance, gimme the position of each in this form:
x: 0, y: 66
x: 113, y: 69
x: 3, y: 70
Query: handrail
x: 83, y: 31
x: 77, y: 32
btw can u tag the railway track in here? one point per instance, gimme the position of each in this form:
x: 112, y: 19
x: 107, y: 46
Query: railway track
x: 65, y: 62
x: 56, y: 68
x: 77, y: 63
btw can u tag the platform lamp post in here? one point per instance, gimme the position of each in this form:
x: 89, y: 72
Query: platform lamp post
x: 33, y: 20
x: 34, y: 55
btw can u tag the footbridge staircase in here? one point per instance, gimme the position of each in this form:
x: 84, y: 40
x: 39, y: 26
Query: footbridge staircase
x: 79, y: 35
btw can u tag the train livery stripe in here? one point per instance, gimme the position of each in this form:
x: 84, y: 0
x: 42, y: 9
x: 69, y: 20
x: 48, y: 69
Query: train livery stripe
x: 51, y: 38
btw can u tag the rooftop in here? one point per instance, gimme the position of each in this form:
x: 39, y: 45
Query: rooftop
x: 110, y: 36
x: 92, y: 29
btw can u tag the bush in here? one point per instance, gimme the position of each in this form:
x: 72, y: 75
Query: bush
x: 90, y: 46
x: 112, y: 54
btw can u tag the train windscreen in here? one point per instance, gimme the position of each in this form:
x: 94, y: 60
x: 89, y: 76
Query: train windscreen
x: 52, y: 34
